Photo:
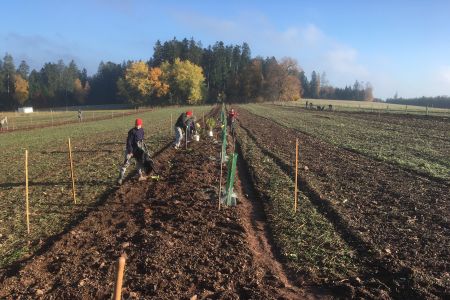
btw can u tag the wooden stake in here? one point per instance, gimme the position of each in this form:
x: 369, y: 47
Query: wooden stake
x: 119, y: 278
x: 296, y: 176
x: 27, y: 209
x: 71, y: 173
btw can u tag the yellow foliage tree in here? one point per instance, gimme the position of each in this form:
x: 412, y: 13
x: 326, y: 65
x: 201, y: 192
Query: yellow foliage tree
x: 79, y: 91
x: 290, y: 90
x: 159, y: 87
x: 185, y: 79
x: 141, y: 82
x: 20, y: 89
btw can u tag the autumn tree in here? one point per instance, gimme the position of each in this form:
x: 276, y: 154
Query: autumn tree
x: 80, y: 92
x: 20, y: 89
x: 158, y: 87
x: 281, y: 80
x: 368, y: 92
x: 141, y: 82
x: 291, y: 87
x: 185, y: 79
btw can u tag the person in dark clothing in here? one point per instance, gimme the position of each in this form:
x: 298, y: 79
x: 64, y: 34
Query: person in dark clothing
x: 232, y: 117
x: 134, y: 148
x: 182, y: 122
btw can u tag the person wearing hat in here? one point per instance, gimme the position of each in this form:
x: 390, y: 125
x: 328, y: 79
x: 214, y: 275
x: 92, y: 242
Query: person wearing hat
x: 182, y: 122
x: 134, y: 148
x: 231, y: 121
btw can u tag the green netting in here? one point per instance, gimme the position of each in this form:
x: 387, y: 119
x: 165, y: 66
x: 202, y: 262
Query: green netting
x: 230, y: 196
x: 224, y: 140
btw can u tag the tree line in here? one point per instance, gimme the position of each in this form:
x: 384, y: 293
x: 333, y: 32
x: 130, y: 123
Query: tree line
x: 179, y: 72
x: 439, y: 101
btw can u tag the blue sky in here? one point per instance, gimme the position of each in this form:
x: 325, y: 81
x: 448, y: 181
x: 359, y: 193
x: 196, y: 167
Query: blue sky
x: 398, y: 46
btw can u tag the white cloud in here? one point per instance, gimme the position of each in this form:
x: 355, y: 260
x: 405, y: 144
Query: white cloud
x: 312, y: 47
x: 444, y: 74
x: 312, y: 35
x: 344, y: 60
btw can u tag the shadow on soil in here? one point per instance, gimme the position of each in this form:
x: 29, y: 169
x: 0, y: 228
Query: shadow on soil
x: 375, y: 266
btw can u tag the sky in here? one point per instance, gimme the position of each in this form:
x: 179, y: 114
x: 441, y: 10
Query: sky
x: 398, y: 46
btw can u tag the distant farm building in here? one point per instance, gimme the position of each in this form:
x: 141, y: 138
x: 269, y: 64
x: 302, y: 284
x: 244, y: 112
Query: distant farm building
x: 26, y: 110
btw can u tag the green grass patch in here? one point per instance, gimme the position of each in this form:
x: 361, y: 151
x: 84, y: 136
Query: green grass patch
x: 306, y: 239
x: 415, y: 143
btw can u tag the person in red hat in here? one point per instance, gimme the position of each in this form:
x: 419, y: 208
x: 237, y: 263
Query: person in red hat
x: 180, y: 125
x: 134, y: 148
x: 232, y: 117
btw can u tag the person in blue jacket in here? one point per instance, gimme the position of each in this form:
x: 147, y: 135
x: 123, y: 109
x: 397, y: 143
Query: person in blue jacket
x: 134, y: 149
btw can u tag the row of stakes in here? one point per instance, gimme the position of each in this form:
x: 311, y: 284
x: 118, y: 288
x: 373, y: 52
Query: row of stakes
x: 121, y: 261
x: 72, y: 177
x: 229, y: 197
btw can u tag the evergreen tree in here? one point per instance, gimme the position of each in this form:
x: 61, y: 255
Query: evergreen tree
x: 23, y: 69
x: 305, y: 85
x: 315, y: 85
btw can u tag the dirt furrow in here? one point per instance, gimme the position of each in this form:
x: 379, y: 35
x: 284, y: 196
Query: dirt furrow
x: 260, y: 239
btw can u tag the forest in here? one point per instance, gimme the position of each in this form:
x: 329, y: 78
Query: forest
x: 439, y: 101
x: 178, y: 72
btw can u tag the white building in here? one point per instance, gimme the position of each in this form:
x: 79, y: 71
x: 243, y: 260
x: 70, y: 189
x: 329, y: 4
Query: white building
x: 25, y: 110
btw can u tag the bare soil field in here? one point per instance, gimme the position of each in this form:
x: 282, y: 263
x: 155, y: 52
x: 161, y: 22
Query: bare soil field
x: 176, y: 242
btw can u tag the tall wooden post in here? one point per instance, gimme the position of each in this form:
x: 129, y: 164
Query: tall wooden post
x: 27, y: 207
x: 71, y: 173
